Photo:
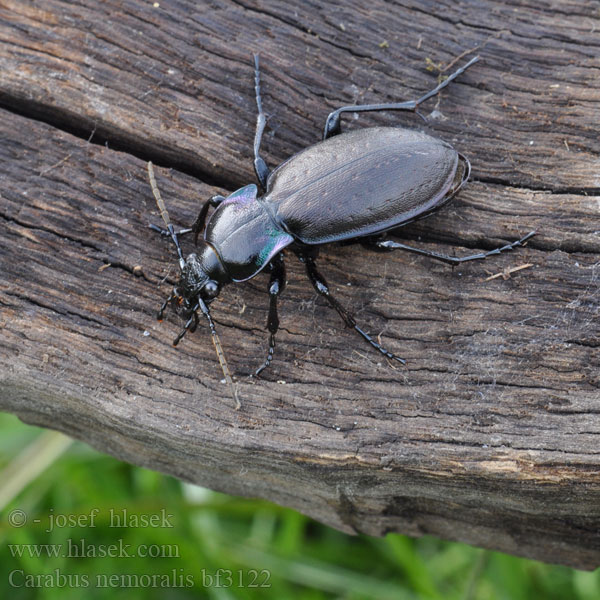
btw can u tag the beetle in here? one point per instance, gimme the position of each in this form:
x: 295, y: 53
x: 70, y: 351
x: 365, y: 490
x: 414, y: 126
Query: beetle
x: 351, y: 186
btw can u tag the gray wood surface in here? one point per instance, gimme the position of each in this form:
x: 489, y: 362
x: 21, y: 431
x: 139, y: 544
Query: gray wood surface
x: 489, y: 435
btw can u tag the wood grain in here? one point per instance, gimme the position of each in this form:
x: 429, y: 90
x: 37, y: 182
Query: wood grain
x: 489, y: 435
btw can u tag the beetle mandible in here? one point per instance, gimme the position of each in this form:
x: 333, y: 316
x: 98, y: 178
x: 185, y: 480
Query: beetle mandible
x: 354, y: 185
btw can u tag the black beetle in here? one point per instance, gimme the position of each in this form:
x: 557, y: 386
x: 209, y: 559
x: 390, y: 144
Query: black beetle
x: 355, y: 185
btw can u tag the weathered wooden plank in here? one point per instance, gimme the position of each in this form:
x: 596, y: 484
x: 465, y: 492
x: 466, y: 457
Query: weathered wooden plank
x: 496, y: 408
x: 489, y: 435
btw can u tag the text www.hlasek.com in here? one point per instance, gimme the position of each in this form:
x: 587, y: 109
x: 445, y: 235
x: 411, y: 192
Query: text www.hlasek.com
x: 82, y: 549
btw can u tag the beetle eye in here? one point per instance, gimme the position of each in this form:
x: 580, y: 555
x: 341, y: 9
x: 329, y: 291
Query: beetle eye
x: 211, y: 289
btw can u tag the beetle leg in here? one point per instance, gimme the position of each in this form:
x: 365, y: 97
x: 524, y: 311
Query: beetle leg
x: 161, y: 312
x: 260, y: 166
x: 194, y: 325
x: 322, y: 289
x: 167, y: 233
x: 198, y: 225
x: 389, y: 245
x: 276, y: 286
x: 189, y: 324
x: 333, y: 123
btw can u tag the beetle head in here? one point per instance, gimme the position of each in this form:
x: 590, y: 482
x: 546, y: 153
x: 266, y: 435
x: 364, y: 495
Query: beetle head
x: 202, y: 276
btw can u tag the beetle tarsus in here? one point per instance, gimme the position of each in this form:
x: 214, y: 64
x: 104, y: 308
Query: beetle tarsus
x: 268, y: 359
x: 378, y: 346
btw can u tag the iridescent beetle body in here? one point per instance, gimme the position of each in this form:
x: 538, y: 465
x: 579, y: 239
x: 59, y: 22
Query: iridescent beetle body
x: 350, y: 186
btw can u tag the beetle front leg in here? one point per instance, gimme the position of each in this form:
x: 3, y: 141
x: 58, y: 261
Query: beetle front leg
x: 190, y: 325
x: 389, y: 245
x: 198, y: 225
x: 322, y: 289
x: 276, y: 286
x: 167, y: 233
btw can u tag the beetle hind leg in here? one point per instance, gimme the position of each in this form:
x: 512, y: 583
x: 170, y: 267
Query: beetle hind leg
x: 322, y: 289
x: 333, y: 122
x: 389, y: 245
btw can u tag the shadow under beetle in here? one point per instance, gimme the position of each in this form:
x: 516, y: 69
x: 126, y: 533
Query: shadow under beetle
x: 354, y: 185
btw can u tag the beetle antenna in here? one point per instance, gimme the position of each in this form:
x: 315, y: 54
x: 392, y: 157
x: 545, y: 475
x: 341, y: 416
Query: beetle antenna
x: 164, y: 214
x: 220, y: 354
